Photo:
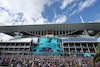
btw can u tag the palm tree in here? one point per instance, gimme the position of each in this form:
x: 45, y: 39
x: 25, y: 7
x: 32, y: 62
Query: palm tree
x: 97, y: 35
x: 96, y: 57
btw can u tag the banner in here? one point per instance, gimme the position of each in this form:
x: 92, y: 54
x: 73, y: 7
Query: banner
x: 87, y: 54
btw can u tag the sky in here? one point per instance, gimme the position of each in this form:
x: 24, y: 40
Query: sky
x: 30, y: 12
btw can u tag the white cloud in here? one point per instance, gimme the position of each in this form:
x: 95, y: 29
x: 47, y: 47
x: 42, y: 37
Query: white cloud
x: 70, y: 8
x: 59, y: 18
x: 5, y: 19
x: 31, y: 9
x: 98, y: 15
x: 85, y: 4
x: 65, y: 3
x: 97, y: 20
x: 82, y: 5
x: 5, y: 37
x: 41, y: 20
x: 73, y: 12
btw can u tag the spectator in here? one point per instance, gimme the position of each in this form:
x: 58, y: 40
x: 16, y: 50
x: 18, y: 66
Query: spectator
x: 48, y: 61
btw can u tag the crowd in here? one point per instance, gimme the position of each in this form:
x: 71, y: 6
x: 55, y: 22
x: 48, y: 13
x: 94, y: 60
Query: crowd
x: 47, y: 61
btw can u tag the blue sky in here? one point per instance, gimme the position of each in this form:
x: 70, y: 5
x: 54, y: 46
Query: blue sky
x: 13, y: 12
x: 89, y: 13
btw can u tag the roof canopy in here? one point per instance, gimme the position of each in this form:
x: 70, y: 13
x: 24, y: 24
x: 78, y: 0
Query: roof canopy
x: 44, y: 27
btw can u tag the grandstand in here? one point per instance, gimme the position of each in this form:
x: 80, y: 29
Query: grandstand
x: 51, y: 39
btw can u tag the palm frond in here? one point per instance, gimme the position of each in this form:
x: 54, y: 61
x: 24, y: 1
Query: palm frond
x: 97, y: 59
x: 97, y: 35
x: 98, y: 48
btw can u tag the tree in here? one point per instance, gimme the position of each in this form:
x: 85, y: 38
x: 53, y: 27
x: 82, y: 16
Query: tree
x: 96, y: 57
x: 97, y: 35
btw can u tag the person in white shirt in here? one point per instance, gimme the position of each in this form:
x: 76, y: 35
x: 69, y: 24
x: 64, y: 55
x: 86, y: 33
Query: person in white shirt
x: 0, y: 61
x: 12, y: 65
x: 18, y: 65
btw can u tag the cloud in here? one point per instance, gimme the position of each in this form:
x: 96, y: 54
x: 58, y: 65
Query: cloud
x: 13, y: 12
x: 65, y: 3
x: 5, y: 37
x: 98, y: 15
x: 59, y: 18
x: 97, y: 20
x: 5, y: 19
x: 70, y: 8
x: 82, y: 5
x: 18, y: 10
x: 73, y: 12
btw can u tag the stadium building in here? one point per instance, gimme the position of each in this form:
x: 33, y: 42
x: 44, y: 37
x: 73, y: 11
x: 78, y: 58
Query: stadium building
x: 51, y: 39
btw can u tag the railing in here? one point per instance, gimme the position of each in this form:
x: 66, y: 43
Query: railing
x: 47, y: 53
x: 78, y: 39
x: 14, y: 46
x: 14, y: 51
